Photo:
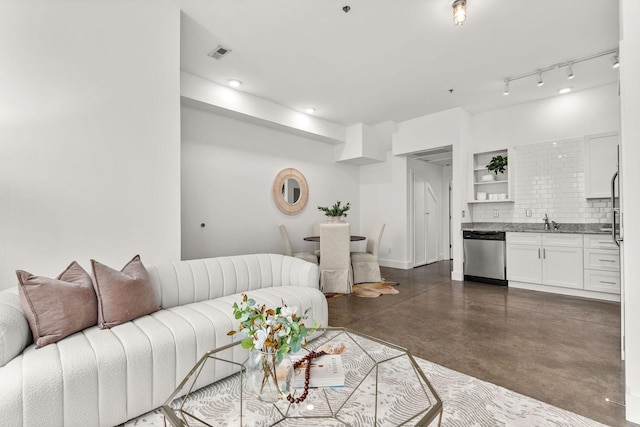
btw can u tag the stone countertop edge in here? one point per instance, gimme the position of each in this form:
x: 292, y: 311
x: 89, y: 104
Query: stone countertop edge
x: 575, y: 228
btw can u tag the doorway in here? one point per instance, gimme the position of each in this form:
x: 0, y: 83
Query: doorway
x: 426, y: 208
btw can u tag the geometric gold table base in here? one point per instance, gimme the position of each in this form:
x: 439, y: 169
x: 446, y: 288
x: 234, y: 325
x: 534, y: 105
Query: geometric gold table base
x: 384, y: 386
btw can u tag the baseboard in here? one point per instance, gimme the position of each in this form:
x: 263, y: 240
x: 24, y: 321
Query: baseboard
x: 395, y: 264
x: 565, y: 291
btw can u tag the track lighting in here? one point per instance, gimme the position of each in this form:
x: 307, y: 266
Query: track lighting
x: 459, y: 11
x: 568, y: 66
x: 614, y: 61
x: 570, y: 74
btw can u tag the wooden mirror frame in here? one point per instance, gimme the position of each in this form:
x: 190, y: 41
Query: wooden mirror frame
x: 281, y: 178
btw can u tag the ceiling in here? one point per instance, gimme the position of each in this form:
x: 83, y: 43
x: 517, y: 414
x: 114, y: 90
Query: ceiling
x: 397, y: 59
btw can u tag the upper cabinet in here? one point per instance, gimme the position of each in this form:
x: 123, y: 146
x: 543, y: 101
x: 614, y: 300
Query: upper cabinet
x: 489, y: 186
x: 601, y: 162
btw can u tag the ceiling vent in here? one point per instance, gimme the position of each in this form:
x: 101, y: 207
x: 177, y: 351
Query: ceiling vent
x: 219, y: 52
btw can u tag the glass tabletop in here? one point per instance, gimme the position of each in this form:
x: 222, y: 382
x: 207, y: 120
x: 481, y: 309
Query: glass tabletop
x: 384, y: 386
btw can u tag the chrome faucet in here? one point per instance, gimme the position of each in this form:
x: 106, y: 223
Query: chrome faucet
x: 546, y: 222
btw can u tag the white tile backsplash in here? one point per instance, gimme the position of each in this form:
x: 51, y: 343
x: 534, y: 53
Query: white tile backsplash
x: 547, y: 177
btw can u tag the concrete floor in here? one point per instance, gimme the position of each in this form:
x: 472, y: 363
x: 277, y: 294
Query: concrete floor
x: 559, y: 349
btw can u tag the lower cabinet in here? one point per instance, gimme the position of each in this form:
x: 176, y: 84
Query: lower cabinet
x: 601, y: 264
x: 573, y: 264
x: 546, y: 259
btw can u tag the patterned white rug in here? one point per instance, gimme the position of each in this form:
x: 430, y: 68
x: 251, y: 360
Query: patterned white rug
x: 467, y: 402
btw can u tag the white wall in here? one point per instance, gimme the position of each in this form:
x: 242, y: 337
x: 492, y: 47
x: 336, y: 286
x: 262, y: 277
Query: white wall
x: 89, y: 134
x: 228, y: 168
x: 581, y: 113
x: 539, y: 131
x: 629, y: 155
x: 384, y: 198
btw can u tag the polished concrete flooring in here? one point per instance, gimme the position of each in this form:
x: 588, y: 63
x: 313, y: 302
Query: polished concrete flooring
x: 558, y: 349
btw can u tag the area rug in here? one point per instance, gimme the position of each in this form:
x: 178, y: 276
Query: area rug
x: 369, y: 290
x: 467, y: 402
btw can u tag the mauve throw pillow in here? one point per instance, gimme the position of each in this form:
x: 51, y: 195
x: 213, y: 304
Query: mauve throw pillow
x: 123, y: 295
x: 56, y: 308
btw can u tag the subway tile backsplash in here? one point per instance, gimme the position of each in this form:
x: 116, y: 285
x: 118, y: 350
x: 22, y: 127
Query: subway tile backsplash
x: 547, y: 177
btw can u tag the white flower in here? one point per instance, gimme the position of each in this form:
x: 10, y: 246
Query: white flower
x: 258, y: 339
x: 288, y: 312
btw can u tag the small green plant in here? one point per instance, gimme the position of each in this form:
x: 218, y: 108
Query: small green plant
x: 336, y: 210
x: 497, y: 164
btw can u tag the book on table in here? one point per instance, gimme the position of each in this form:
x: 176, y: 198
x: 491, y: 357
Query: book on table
x: 326, y: 371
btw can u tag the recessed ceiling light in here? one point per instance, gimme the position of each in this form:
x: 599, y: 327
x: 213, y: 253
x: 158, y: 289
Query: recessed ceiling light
x: 540, y: 82
x: 309, y: 110
x: 235, y: 83
x: 565, y: 90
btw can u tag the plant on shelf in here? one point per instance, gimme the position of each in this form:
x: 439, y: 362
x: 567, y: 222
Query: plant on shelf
x: 497, y: 164
x: 337, y: 210
x: 270, y: 334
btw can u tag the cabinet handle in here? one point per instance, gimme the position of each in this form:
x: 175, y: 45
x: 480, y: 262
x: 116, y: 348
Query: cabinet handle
x: 544, y: 253
x: 538, y: 253
x: 606, y: 260
x: 608, y: 283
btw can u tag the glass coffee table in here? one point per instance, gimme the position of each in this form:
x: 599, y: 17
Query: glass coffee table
x: 384, y: 386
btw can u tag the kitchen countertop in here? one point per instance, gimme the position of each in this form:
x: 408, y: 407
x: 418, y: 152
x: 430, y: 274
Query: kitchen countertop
x: 590, y: 228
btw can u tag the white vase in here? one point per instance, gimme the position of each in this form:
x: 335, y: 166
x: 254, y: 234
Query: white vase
x: 336, y: 220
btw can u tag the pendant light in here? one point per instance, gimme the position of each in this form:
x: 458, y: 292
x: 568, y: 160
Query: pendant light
x: 459, y: 11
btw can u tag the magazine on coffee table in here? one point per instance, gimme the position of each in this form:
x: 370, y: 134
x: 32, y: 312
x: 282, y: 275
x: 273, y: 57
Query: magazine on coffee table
x: 326, y: 371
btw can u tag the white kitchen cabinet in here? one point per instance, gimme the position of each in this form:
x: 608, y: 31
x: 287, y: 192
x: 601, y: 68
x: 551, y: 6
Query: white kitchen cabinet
x: 545, y: 259
x: 601, y: 162
x: 601, y: 264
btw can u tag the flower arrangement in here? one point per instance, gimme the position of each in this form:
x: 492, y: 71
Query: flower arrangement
x: 278, y: 330
x: 336, y: 210
x: 270, y: 335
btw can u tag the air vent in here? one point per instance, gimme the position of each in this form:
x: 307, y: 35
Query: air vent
x: 219, y: 52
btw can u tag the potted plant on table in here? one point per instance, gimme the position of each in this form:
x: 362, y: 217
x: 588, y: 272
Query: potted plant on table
x: 336, y: 212
x: 270, y: 334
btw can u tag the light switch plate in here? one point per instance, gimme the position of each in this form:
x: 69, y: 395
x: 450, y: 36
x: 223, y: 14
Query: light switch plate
x: 496, y: 213
x: 529, y: 213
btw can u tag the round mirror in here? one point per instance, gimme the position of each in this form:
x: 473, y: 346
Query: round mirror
x: 290, y: 191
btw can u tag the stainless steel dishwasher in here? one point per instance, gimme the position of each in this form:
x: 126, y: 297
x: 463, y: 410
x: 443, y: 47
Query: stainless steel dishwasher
x: 485, y: 257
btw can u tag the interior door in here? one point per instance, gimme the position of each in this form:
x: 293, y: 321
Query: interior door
x: 431, y: 214
x: 419, y: 221
x: 425, y: 222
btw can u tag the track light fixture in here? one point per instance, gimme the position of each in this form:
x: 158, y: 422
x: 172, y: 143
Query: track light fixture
x: 570, y: 74
x: 614, y: 61
x: 568, y: 65
x: 459, y: 11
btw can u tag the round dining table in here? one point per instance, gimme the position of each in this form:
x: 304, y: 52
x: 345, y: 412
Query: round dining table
x: 317, y: 238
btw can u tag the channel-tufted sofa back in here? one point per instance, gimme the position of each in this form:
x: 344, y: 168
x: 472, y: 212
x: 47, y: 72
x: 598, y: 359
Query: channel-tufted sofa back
x: 185, y: 282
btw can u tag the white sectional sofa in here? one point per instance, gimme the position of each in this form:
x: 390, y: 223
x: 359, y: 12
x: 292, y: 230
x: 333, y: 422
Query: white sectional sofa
x: 104, y: 377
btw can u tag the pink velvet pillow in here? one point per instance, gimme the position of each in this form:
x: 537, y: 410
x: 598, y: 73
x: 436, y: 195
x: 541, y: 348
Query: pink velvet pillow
x: 123, y: 295
x: 56, y: 308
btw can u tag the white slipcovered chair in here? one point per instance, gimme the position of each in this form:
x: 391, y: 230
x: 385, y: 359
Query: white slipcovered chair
x: 335, y: 263
x: 365, y: 264
x: 307, y: 256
